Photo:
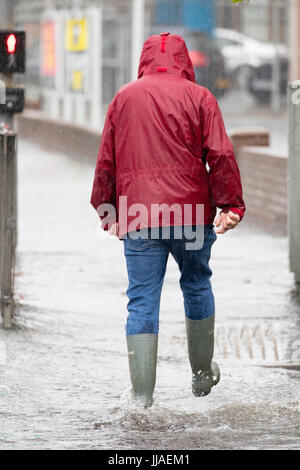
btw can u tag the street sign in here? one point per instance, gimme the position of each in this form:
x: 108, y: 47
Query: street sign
x: 12, y: 52
x: 77, y: 80
x: 77, y: 35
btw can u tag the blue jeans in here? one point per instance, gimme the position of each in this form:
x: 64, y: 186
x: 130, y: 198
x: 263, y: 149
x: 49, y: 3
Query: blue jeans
x: 146, y: 261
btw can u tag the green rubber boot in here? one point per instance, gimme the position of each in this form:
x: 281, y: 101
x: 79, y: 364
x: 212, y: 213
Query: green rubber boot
x: 200, y: 336
x: 142, y: 355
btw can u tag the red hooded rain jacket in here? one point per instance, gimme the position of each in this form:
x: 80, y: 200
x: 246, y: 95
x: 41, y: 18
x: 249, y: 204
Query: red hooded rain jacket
x: 160, y: 133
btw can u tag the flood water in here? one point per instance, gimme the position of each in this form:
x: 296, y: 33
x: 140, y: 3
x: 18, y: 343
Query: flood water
x: 63, y: 368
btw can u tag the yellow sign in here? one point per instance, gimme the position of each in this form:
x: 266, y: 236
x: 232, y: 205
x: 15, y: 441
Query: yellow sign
x: 77, y: 80
x: 77, y: 35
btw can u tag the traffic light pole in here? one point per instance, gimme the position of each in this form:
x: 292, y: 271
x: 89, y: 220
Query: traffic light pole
x: 137, y: 36
x: 7, y: 118
x: 8, y: 223
x: 12, y: 60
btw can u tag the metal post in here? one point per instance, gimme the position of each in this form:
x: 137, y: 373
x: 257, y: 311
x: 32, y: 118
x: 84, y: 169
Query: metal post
x: 276, y: 96
x: 8, y: 154
x: 294, y: 178
x: 7, y: 118
x: 138, y: 25
x: 294, y: 39
x: 95, y: 94
x: 2, y: 193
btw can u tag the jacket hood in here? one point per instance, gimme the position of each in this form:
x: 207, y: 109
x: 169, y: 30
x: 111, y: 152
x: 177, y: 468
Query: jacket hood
x: 166, y: 53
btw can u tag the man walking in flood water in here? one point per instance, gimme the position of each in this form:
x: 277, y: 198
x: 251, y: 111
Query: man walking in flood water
x: 165, y: 156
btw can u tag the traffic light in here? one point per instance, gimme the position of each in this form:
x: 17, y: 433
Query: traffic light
x: 12, y: 52
x: 11, y: 43
x: 14, y: 101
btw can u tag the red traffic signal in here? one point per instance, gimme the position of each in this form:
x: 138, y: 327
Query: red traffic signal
x: 11, y: 43
x: 12, y: 52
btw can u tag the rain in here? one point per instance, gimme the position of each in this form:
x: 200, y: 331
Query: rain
x: 64, y: 376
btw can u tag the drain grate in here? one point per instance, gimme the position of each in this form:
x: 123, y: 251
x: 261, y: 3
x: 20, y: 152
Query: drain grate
x: 254, y: 342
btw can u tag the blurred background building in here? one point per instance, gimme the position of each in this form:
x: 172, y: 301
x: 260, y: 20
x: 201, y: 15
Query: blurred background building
x: 80, y: 52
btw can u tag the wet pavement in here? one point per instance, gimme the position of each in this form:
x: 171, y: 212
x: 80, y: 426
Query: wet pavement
x: 63, y: 368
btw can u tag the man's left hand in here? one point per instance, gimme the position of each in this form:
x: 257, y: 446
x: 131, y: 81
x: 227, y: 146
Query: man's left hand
x: 226, y: 222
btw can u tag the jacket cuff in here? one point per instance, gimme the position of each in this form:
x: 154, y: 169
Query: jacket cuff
x: 237, y: 211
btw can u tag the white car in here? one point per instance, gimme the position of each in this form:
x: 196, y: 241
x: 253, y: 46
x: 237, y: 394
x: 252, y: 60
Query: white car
x: 250, y: 62
x: 239, y: 49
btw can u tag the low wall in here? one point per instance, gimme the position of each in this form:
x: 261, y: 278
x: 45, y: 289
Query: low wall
x: 258, y: 137
x: 265, y: 186
x: 58, y: 136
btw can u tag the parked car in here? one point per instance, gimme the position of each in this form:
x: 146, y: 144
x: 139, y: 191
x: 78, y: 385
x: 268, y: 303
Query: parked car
x: 206, y: 57
x: 250, y: 62
x: 208, y: 62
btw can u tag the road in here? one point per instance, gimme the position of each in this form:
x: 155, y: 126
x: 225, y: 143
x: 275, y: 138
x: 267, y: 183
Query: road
x: 63, y: 368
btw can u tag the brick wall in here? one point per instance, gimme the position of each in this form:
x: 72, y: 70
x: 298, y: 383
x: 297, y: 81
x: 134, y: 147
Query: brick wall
x: 257, y: 136
x: 264, y: 178
x: 72, y: 140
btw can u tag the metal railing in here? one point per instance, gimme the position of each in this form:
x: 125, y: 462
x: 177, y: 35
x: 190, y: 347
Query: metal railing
x: 8, y: 222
